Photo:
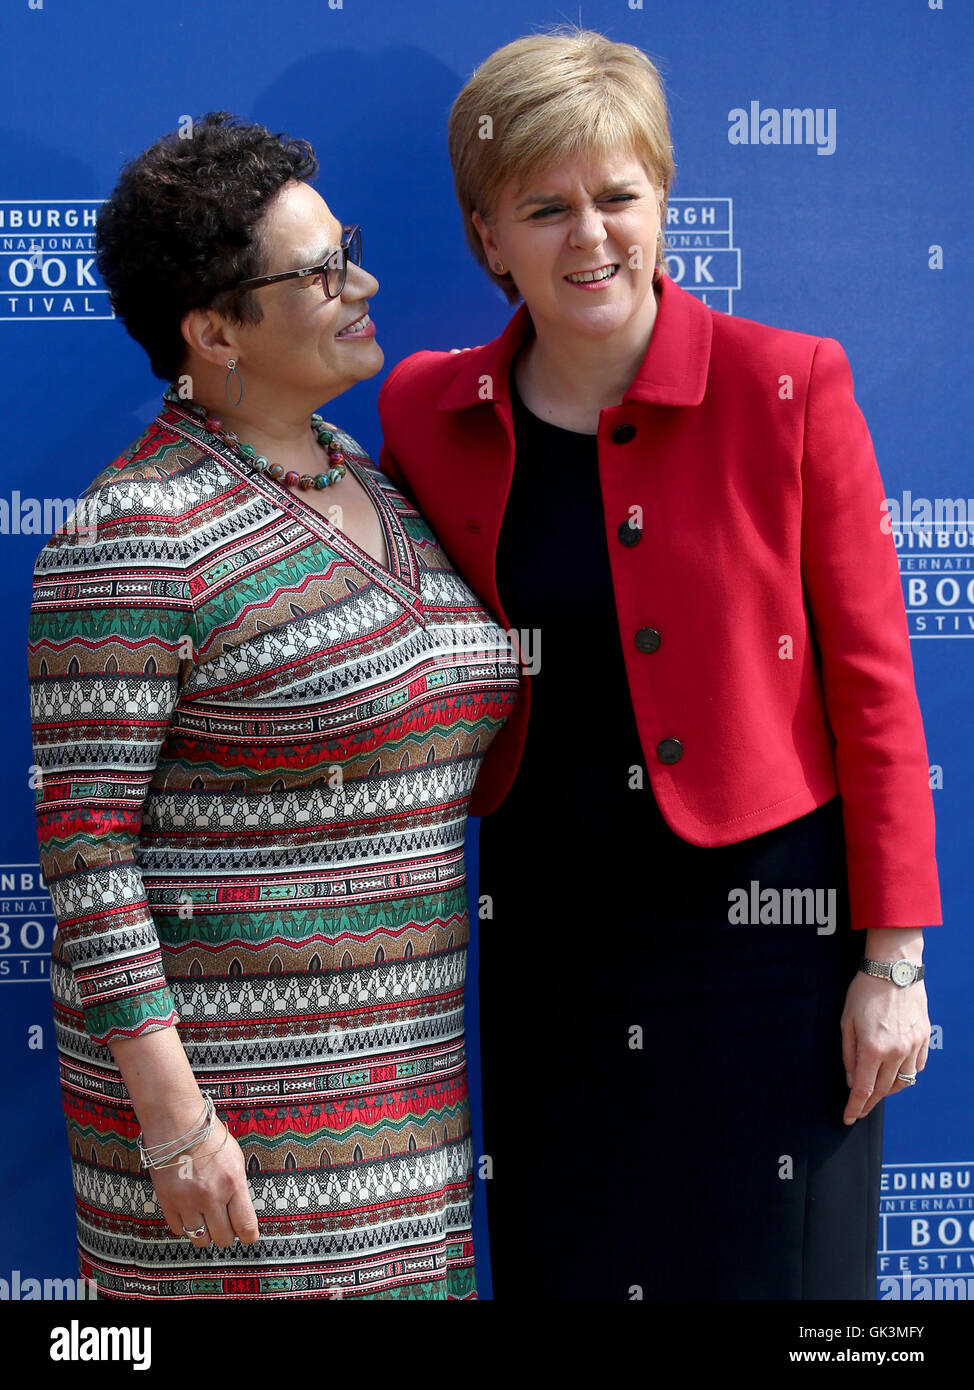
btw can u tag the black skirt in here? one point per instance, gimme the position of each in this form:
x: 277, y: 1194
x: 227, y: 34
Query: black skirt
x: 663, y: 1084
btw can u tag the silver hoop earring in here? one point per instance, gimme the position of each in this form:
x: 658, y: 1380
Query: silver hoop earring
x: 232, y: 372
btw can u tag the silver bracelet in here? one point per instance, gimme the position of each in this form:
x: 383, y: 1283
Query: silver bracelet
x: 164, y: 1154
x: 155, y: 1148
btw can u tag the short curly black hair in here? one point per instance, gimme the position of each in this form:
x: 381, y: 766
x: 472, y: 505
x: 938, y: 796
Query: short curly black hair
x: 181, y: 223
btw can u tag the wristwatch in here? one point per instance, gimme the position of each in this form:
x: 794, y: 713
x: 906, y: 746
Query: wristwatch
x: 901, y: 972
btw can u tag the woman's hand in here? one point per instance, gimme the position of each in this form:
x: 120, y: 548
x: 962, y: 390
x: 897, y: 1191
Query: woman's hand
x: 885, y: 1029
x: 211, y: 1184
x: 207, y: 1186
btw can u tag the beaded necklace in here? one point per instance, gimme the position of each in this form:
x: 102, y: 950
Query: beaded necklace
x: 335, y: 472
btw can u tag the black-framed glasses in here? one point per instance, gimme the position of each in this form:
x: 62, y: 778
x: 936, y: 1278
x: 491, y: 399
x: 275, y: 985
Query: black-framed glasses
x: 333, y: 269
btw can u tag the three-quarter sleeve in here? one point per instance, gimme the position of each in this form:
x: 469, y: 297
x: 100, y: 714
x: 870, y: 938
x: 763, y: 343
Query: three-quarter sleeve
x: 111, y: 637
x: 852, y: 587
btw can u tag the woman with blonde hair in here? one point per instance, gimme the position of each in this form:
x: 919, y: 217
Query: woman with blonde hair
x: 708, y: 845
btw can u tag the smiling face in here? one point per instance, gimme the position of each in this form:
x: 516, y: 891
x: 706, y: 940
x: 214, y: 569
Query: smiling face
x: 307, y: 347
x: 569, y: 238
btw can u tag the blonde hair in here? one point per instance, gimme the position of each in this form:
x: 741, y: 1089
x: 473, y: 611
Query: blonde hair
x: 547, y: 98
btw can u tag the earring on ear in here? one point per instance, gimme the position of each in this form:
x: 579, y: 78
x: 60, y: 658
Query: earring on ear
x: 232, y: 372
x: 500, y: 267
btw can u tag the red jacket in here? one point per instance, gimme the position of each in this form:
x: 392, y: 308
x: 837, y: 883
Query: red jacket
x: 761, y: 521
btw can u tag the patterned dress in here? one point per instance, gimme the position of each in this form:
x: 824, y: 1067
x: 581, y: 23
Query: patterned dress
x: 255, y: 748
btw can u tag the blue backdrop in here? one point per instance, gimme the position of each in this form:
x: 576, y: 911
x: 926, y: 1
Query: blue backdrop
x: 858, y: 231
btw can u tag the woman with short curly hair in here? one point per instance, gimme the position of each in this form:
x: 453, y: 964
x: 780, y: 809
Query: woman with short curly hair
x: 260, y: 697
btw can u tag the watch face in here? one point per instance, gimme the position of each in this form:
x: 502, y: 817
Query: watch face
x: 903, y: 972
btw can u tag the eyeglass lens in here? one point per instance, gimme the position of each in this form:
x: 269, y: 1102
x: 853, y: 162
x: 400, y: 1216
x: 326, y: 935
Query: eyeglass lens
x: 337, y: 266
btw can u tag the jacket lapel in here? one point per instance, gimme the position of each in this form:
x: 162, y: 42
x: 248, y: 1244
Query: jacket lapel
x: 672, y: 373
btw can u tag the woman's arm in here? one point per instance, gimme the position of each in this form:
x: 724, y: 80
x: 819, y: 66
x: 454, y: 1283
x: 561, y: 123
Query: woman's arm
x: 852, y: 585
x: 851, y: 578
x: 107, y: 640
x: 107, y: 644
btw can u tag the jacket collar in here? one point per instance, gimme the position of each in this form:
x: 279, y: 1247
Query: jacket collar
x: 673, y: 371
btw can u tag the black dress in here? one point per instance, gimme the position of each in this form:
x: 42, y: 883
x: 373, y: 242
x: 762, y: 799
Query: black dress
x: 663, y: 1087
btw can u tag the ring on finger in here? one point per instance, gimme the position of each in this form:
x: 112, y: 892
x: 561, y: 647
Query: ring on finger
x: 195, y: 1235
x: 910, y: 1077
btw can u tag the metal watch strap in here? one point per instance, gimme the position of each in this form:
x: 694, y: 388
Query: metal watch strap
x: 883, y: 969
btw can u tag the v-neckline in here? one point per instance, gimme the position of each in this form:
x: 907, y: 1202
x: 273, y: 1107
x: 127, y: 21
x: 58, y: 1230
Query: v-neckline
x: 401, y: 574
x: 402, y: 570
x: 393, y: 572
